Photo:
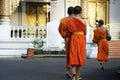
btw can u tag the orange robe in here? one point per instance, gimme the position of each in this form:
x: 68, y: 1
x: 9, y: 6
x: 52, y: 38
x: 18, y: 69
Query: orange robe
x: 100, y: 39
x: 77, y: 42
x: 63, y: 30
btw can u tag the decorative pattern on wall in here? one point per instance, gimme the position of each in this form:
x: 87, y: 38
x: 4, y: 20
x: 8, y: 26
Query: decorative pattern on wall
x: 97, y: 9
x: 84, y: 4
x: 75, y: 2
x: 36, y: 14
x: 14, y: 5
x: 4, y: 9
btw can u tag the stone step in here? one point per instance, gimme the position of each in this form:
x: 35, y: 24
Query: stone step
x: 114, y: 49
x: 114, y: 45
x: 113, y: 56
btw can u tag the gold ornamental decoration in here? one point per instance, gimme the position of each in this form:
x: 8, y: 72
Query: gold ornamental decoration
x: 84, y: 5
x: 75, y: 2
x: 5, y: 9
x: 14, y: 4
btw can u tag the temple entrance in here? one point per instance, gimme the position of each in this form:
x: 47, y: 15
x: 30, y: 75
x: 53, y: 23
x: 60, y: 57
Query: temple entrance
x: 36, y: 14
x: 98, y: 9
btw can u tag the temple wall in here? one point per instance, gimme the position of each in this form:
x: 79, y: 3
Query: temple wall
x: 114, y: 11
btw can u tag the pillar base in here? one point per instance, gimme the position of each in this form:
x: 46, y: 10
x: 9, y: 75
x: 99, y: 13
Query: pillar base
x: 5, y: 29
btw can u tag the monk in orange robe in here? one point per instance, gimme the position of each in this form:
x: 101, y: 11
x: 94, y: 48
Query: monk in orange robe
x: 100, y: 39
x: 77, y: 29
x: 63, y: 30
x: 77, y: 42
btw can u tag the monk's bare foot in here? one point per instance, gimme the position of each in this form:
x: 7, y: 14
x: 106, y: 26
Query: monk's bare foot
x: 68, y: 74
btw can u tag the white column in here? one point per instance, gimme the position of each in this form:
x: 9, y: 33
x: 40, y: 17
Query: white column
x: 5, y: 11
x: 5, y: 28
x: 57, y: 10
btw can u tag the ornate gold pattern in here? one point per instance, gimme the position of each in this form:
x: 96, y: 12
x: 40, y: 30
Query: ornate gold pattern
x: 4, y: 16
x: 75, y: 2
x: 5, y: 9
x: 14, y: 5
x: 97, y: 9
x: 41, y: 16
x: 36, y: 15
x: 31, y: 16
x: 84, y: 4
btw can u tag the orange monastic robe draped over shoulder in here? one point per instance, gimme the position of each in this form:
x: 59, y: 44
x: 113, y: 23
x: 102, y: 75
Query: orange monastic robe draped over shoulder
x: 77, y: 42
x: 63, y: 30
x: 63, y: 27
x: 100, y: 39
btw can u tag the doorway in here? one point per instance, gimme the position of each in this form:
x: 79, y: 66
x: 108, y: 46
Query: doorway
x: 36, y: 14
x: 98, y: 9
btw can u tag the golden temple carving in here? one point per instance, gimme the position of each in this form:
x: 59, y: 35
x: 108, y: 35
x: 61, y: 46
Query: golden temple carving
x: 14, y: 4
x: 75, y: 2
x: 97, y: 9
x: 5, y: 9
x: 84, y: 5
